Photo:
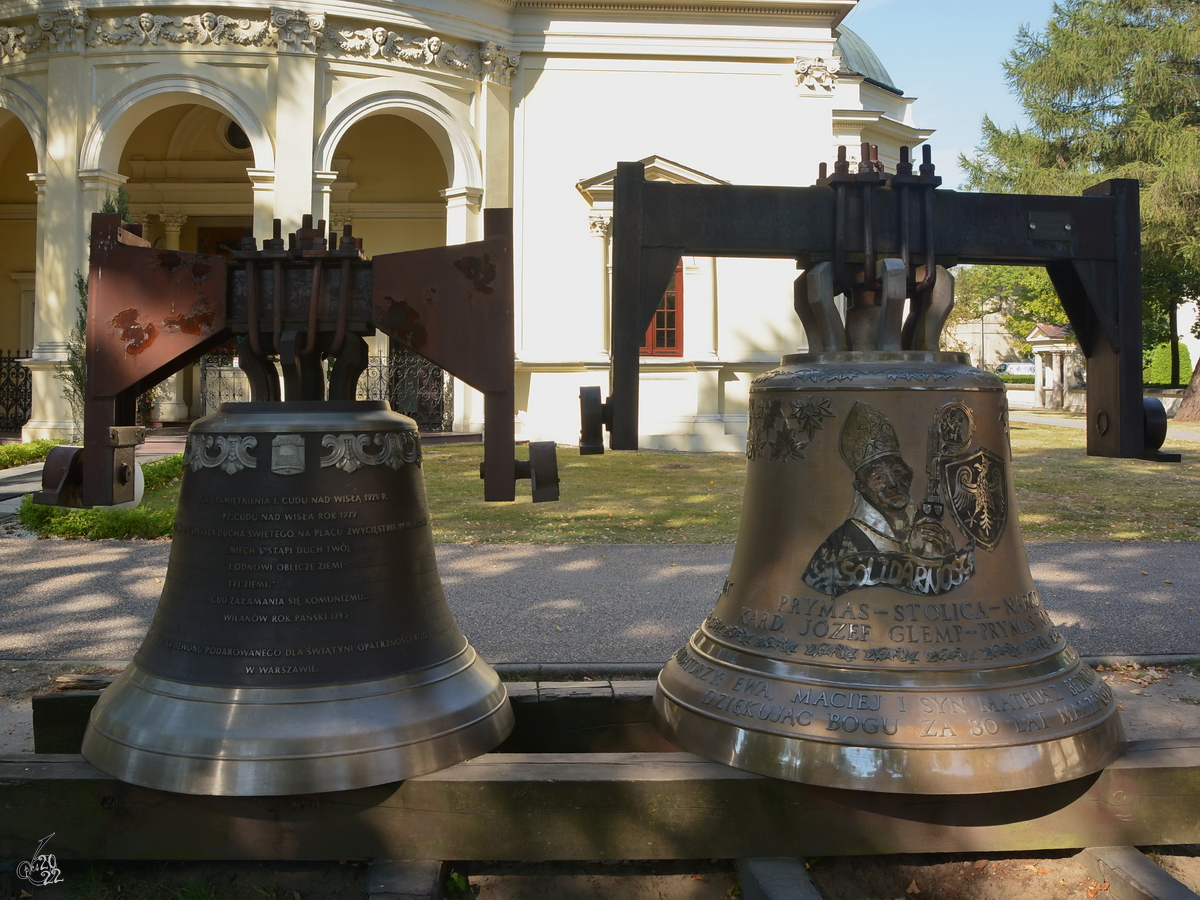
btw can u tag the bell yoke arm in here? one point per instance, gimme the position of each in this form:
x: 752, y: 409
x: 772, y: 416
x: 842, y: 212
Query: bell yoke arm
x: 153, y: 312
x: 1090, y: 246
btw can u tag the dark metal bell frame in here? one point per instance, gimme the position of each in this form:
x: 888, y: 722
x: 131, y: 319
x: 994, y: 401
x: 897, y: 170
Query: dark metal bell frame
x: 879, y: 628
x: 303, y: 642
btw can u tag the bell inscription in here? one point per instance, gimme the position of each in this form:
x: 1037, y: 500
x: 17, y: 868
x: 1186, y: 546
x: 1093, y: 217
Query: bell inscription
x: 303, y: 564
x: 303, y: 641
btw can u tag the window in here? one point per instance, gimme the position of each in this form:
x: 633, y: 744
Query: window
x: 664, y: 337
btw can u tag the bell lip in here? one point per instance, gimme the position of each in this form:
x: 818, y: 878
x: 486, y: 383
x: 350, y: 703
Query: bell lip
x: 900, y: 770
x: 480, y: 721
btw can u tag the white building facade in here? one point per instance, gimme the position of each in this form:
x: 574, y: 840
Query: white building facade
x: 406, y: 120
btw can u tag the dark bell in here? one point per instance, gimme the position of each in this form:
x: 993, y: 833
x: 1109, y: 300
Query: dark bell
x: 303, y: 642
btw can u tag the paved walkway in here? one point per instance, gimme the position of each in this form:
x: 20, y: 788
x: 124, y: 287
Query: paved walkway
x: 582, y: 603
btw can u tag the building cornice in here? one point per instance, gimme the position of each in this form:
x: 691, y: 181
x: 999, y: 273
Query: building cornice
x: 75, y: 30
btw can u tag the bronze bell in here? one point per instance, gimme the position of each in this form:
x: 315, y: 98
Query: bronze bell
x: 302, y: 642
x: 879, y: 628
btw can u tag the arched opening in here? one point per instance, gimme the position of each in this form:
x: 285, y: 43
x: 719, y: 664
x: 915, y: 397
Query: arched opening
x: 18, y: 237
x: 185, y: 167
x: 187, y: 183
x: 389, y: 186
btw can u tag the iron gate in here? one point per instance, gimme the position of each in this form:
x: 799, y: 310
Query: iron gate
x: 412, y: 385
x: 16, y: 390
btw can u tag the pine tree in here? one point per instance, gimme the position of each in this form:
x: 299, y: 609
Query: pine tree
x: 1111, y: 89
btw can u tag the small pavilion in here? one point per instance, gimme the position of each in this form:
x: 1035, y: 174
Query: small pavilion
x: 1052, y: 345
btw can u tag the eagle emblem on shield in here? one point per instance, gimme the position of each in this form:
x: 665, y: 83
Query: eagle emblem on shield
x: 979, y: 496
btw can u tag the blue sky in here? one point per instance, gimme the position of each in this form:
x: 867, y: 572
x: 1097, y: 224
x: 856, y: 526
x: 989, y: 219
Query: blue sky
x: 949, y: 54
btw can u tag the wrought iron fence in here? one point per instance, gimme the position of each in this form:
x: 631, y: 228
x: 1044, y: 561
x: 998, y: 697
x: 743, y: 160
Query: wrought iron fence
x: 412, y: 385
x: 16, y: 390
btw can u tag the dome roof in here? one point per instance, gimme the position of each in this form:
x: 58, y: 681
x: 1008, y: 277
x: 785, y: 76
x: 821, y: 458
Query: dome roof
x: 860, y: 58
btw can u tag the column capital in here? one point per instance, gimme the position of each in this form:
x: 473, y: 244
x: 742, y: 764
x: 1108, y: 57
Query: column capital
x: 101, y: 180
x: 172, y: 221
x: 463, y: 196
x: 599, y: 226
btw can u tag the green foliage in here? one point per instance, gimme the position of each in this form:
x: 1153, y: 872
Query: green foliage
x: 163, y: 472
x: 73, y: 371
x: 116, y: 203
x: 1112, y: 90
x: 1022, y: 294
x: 22, y: 454
x: 154, y: 518
x: 457, y: 883
x: 1016, y: 379
x: 1159, y: 370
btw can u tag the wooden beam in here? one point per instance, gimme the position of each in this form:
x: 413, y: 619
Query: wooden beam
x: 592, y: 806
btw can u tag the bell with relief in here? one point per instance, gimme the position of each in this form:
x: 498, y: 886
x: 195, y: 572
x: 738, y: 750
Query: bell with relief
x: 303, y: 642
x: 879, y: 628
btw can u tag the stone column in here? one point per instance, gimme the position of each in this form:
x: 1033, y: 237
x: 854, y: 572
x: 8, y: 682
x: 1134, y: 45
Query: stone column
x: 295, y: 108
x: 262, y: 184
x: 596, y: 324
x: 322, y: 197
x: 26, y: 281
x: 169, y: 404
x: 1058, y: 387
x: 700, y: 344
x: 172, y: 224
x: 63, y: 225
x: 1039, y: 381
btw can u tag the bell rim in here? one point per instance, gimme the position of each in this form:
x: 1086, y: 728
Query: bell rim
x: 222, y: 763
x: 897, y: 770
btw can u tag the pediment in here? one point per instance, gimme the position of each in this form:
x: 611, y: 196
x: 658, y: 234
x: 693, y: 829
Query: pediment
x: 598, y: 190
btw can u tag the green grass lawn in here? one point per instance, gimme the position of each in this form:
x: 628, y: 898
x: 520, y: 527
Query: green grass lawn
x: 659, y: 497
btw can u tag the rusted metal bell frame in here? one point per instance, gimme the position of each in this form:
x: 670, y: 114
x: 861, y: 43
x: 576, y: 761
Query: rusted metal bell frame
x: 852, y: 651
x: 303, y: 642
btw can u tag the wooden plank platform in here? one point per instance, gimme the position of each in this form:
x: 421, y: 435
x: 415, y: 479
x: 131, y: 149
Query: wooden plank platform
x: 596, y: 806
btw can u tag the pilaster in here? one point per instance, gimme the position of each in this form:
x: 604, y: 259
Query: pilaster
x: 295, y: 100
x: 464, y: 221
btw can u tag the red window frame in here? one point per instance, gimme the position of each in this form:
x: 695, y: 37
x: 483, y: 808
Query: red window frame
x: 664, y: 337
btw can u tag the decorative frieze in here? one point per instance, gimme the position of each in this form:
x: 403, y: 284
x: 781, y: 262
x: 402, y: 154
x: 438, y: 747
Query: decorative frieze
x: 289, y: 30
x: 13, y: 41
x: 414, y: 50
x: 206, y: 28
x: 817, y: 75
